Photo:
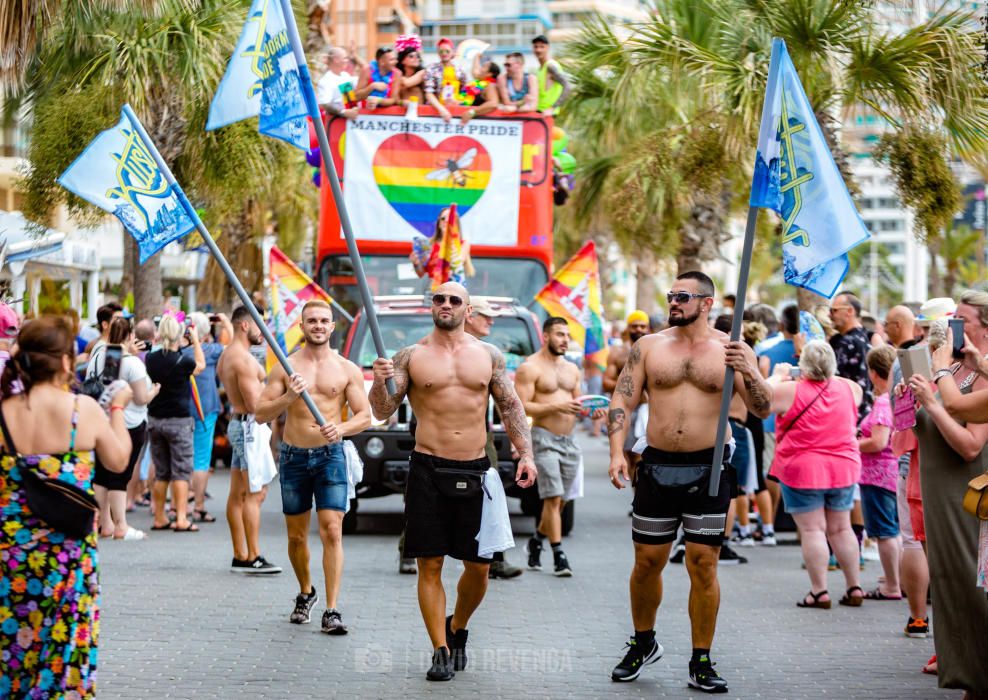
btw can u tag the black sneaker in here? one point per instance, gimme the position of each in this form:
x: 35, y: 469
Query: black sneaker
x: 704, y: 677
x: 442, y: 666
x: 561, y: 564
x: 262, y: 566
x: 302, y: 614
x: 678, y: 552
x: 534, y: 549
x: 635, y: 660
x: 332, y: 622
x: 502, y: 569
x: 240, y: 566
x: 728, y: 557
x: 457, y: 643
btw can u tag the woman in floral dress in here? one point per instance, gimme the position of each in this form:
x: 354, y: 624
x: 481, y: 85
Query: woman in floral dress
x: 49, y: 582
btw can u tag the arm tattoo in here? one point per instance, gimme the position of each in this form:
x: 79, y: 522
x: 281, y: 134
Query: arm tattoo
x: 509, y: 405
x: 615, y: 421
x: 626, y: 383
x: 761, y: 400
x: 383, y: 404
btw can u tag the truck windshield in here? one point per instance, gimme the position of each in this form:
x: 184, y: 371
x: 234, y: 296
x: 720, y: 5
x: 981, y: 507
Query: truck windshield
x: 510, y: 334
x: 391, y: 274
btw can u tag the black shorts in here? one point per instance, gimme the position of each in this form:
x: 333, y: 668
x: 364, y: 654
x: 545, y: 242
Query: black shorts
x: 658, y: 511
x: 117, y: 481
x: 438, y: 525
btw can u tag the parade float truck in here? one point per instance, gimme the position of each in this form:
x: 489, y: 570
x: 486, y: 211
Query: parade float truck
x: 397, y: 175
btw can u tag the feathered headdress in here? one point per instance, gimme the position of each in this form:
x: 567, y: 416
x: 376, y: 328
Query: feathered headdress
x: 408, y: 41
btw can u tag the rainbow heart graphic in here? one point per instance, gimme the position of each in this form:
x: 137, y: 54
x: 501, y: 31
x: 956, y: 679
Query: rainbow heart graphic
x: 419, y: 180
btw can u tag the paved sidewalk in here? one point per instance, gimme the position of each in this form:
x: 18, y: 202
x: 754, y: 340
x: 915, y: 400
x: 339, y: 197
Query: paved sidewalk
x: 177, y: 624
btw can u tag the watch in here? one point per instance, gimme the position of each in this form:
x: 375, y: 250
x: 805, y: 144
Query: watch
x: 940, y: 374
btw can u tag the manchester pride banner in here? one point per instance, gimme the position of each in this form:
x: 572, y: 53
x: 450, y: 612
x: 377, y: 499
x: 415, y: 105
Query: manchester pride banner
x: 400, y: 173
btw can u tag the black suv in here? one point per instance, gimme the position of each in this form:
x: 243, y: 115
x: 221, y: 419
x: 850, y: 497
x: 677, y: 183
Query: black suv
x: 386, y: 446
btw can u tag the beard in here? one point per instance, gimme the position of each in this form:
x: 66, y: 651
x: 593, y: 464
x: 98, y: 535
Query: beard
x: 635, y: 337
x: 255, y: 339
x: 556, y: 350
x: 316, y: 343
x: 447, y: 324
x: 682, y: 319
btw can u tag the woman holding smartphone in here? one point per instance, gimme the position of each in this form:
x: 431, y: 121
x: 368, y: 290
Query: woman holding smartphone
x: 111, y: 487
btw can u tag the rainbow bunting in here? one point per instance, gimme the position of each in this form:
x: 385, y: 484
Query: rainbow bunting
x: 290, y: 289
x: 574, y: 294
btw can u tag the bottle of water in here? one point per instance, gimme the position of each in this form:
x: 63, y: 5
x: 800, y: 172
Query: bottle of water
x: 412, y: 111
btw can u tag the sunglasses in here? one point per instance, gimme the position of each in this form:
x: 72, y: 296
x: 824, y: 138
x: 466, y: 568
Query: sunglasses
x: 440, y: 299
x: 683, y: 297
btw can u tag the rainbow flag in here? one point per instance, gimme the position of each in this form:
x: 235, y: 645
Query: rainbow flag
x: 574, y: 294
x: 419, y: 181
x: 290, y: 289
x: 449, y: 264
x: 196, y: 401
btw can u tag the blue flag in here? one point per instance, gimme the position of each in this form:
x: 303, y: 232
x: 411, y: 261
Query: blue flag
x: 263, y: 80
x: 795, y: 176
x: 118, y: 174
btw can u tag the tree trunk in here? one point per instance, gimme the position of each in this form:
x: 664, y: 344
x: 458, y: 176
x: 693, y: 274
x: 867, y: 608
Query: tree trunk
x: 645, y: 269
x: 148, y: 295
x: 130, y: 258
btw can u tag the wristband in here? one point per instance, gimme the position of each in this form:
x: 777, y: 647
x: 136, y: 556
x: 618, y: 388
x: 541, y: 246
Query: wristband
x: 940, y: 374
x: 116, y: 408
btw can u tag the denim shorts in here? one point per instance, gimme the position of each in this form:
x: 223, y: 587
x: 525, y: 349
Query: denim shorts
x: 806, y: 500
x: 235, y: 434
x: 881, y: 514
x: 313, y: 472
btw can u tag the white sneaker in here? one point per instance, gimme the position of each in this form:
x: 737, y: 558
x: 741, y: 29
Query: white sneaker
x: 769, y: 541
x: 746, y: 541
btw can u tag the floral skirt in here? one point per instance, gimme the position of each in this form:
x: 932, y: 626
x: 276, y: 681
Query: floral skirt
x: 49, y: 616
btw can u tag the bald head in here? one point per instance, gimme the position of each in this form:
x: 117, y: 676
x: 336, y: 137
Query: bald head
x: 900, y: 325
x: 144, y: 330
x: 454, y: 288
x: 449, y: 306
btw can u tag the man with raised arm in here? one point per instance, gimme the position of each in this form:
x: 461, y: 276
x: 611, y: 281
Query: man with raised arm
x: 448, y: 376
x: 312, y: 462
x: 683, y: 370
x: 243, y: 379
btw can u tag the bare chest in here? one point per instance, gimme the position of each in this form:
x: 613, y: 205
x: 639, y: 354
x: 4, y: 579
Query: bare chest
x: 555, y: 379
x: 703, y: 369
x: 327, y: 380
x: 435, y: 371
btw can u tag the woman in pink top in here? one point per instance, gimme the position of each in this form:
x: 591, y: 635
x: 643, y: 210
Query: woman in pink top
x: 879, y: 474
x: 818, y: 463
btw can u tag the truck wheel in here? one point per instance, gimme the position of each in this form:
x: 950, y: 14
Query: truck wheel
x: 567, y: 516
x: 350, y: 519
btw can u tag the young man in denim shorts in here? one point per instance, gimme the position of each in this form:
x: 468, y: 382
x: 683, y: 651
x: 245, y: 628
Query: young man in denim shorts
x: 243, y: 378
x: 448, y: 377
x: 683, y: 369
x: 312, y: 463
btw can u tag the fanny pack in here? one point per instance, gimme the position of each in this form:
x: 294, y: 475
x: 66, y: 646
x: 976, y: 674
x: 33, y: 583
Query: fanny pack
x: 684, y: 478
x: 458, y: 483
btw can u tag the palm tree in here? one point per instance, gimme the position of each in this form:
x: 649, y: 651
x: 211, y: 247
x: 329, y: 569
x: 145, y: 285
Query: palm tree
x: 166, y: 62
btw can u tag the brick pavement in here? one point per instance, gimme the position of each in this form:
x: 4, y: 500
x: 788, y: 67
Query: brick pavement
x: 177, y: 624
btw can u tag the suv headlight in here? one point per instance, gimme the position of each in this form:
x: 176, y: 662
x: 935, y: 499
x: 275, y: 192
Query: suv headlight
x: 374, y: 447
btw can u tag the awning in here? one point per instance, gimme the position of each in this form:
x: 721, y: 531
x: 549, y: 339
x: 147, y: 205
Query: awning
x: 21, y: 240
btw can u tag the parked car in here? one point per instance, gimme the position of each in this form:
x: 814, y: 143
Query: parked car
x: 386, y: 446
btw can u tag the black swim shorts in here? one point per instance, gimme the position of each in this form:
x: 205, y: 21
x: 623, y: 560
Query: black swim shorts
x: 658, y: 511
x: 437, y: 525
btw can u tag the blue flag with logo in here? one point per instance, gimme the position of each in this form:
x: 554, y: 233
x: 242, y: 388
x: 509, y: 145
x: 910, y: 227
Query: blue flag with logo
x: 795, y: 176
x: 263, y: 80
x: 118, y: 174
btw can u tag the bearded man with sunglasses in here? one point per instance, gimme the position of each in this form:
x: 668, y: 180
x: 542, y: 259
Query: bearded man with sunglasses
x: 683, y: 370
x: 448, y: 376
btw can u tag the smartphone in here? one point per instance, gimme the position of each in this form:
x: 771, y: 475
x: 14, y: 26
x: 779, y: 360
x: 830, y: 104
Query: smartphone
x: 111, y: 365
x: 794, y: 372
x: 214, y: 318
x: 957, y: 329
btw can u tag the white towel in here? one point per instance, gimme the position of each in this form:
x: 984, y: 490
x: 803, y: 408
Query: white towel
x: 261, y: 467
x: 576, y: 488
x: 495, y: 524
x: 354, y: 471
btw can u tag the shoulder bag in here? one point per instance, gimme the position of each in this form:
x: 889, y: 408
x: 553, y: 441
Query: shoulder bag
x: 800, y: 415
x: 976, y: 498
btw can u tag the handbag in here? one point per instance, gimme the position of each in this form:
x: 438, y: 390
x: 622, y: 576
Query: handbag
x: 61, y: 506
x: 93, y: 385
x: 976, y: 498
x: 458, y: 483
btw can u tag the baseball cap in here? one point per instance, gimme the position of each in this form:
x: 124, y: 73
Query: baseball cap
x: 637, y: 316
x: 936, y: 309
x: 444, y: 40
x: 10, y: 323
x: 482, y: 308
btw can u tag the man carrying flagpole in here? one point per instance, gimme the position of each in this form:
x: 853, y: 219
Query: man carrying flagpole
x: 683, y: 368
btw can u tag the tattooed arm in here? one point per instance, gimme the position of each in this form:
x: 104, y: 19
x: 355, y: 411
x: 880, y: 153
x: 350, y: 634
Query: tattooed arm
x: 624, y: 400
x: 513, y: 416
x: 748, y: 380
x: 382, y: 405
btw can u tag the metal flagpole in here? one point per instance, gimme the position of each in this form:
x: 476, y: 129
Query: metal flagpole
x: 728, y: 393
x: 220, y: 259
x: 334, y: 182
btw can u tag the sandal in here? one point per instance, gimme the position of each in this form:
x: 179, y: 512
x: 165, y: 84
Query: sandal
x: 192, y: 527
x: 132, y: 534
x: 817, y: 603
x: 203, y: 516
x: 167, y: 526
x: 876, y: 594
x: 851, y: 600
x: 931, y: 666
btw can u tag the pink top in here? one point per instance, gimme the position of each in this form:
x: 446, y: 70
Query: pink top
x: 879, y: 468
x: 820, y: 451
